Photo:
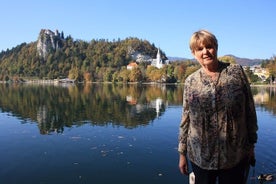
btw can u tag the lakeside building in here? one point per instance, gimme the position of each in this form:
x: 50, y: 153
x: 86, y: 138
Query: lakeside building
x: 262, y: 73
x: 132, y: 65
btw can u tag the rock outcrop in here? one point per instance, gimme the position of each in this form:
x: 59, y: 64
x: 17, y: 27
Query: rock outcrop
x: 138, y: 56
x: 48, y: 41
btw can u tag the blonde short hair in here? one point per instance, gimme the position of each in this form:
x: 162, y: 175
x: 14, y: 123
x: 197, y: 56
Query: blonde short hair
x: 203, y: 37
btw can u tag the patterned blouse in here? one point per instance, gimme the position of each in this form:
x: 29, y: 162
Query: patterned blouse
x: 219, y: 122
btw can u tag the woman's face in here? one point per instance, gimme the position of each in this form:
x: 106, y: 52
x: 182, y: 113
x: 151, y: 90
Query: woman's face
x: 206, y: 55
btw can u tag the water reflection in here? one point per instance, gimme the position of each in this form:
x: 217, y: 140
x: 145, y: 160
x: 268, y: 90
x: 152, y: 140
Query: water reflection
x: 55, y: 107
x: 265, y: 97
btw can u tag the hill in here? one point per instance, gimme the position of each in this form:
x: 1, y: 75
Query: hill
x: 53, y: 55
x: 241, y: 61
x: 246, y: 61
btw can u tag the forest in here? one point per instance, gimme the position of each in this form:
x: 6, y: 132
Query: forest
x: 99, y: 60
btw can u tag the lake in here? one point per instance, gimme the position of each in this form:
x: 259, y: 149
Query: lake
x: 106, y: 133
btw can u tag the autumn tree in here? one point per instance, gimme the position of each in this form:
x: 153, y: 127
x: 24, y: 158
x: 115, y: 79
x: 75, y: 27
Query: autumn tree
x: 227, y: 59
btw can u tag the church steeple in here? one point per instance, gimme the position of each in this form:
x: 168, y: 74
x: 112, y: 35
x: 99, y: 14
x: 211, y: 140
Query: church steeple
x: 158, y: 63
x: 158, y: 59
x: 158, y: 55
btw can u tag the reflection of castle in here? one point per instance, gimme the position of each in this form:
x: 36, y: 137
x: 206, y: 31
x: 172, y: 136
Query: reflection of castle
x: 131, y: 100
x: 154, y: 104
x: 46, y: 124
x: 261, y: 97
x: 42, y: 119
x: 157, y: 104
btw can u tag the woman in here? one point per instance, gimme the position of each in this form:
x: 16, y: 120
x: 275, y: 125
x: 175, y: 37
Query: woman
x: 218, y: 128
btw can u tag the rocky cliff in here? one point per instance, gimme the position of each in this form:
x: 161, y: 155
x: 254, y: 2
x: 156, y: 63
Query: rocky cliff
x: 48, y: 41
x: 138, y: 56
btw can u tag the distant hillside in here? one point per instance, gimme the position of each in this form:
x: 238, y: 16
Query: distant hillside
x: 241, y: 61
x: 246, y: 61
x: 171, y: 58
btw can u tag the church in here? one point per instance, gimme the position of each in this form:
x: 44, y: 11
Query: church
x: 158, y: 63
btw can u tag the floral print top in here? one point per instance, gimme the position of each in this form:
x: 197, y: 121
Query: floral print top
x: 219, y: 122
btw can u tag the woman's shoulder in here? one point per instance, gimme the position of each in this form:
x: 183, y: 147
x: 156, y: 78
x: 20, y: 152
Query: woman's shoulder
x: 234, y: 71
x: 232, y: 67
x: 194, y: 74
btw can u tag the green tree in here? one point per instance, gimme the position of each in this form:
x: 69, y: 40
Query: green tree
x: 227, y: 59
x: 135, y: 75
x: 73, y: 73
x: 124, y: 75
x: 250, y: 75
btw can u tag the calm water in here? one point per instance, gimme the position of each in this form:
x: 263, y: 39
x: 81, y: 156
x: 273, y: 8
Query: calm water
x: 105, y: 134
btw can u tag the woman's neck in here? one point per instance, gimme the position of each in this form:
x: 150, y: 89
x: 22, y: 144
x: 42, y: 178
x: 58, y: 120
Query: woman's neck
x: 212, y: 70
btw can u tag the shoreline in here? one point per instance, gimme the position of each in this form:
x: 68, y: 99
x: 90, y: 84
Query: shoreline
x: 263, y: 85
x: 56, y: 82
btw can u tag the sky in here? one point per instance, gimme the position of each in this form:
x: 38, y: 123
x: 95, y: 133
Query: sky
x: 244, y: 28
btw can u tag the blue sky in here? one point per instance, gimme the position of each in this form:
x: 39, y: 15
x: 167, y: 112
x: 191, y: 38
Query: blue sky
x: 244, y: 28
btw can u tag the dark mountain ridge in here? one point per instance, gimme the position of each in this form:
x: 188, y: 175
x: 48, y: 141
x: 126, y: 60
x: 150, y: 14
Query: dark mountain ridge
x: 241, y: 61
x: 246, y: 61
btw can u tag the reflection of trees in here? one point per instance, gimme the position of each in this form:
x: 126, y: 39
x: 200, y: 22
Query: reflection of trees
x: 56, y: 107
x: 265, y: 97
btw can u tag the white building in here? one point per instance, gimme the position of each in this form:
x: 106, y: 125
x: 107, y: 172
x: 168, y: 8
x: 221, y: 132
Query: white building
x: 158, y: 63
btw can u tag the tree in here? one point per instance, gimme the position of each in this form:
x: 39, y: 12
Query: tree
x: 87, y: 77
x: 73, y: 73
x: 124, y: 75
x: 250, y: 75
x: 135, y: 75
x: 227, y: 59
x: 62, y: 35
x: 107, y: 75
x: 154, y: 74
x: 179, y: 72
